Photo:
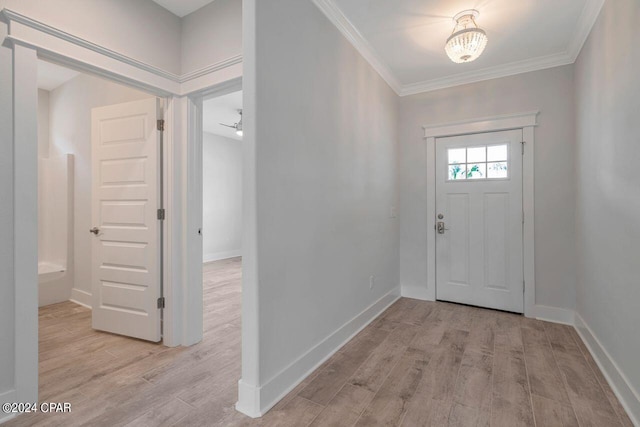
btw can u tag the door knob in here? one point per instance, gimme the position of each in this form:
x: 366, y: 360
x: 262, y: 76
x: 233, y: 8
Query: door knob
x: 95, y: 230
x: 440, y: 227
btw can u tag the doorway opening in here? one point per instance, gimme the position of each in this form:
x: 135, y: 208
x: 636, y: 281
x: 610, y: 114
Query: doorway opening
x: 440, y: 170
x: 99, y: 237
x: 221, y: 230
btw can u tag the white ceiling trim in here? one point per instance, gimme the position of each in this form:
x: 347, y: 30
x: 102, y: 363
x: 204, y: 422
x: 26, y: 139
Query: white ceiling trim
x: 345, y: 26
x: 335, y: 15
x: 51, y: 48
x: 586, y: 21
x: 504, y: 70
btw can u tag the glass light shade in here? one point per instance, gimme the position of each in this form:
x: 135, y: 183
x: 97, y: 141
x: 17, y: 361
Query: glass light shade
x: 466, y: 45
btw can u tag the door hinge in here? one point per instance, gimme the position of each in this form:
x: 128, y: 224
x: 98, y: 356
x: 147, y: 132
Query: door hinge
x: 160, y: 126
x: 161, y: 214
x: 161, y: 302
x: 522, y: 144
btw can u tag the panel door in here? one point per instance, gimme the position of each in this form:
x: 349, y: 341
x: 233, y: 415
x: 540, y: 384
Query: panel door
x: 126, y: 240
x: 479, y: 219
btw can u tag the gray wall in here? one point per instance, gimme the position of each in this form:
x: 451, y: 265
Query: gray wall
x: 608, y: 200
x: 70, y: 133
x: 221, y: 197
x: 140, y: 29
x: 43, y: 152
x: 211, y: 34
x: 326, y: 143
x: 43, y: 123
x: 551, y: 92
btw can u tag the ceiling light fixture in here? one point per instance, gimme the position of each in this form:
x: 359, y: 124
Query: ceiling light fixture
x: 236, y: 126
x: 467, y: 41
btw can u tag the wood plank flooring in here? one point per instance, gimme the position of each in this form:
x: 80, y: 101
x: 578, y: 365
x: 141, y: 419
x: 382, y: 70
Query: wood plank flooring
x: 418, y: 364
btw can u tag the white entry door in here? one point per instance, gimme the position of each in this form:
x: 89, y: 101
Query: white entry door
x: 479, y: 220
x: 126, y: 234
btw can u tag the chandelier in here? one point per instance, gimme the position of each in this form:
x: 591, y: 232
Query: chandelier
x: 467, y: 41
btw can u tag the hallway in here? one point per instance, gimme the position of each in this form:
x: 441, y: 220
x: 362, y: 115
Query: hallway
x: 419, y: 364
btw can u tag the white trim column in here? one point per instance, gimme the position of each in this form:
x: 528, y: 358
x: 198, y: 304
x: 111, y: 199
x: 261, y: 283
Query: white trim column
x: 25, y: 160
x: 173, y: 260
x: 431, y: 214
x: 249, y: 390
x: 528, y: 240
x: 192, y: 289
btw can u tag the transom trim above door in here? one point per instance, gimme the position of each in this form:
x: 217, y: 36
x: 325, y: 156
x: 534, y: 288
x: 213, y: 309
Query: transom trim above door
x: 526, y: 121
x: 483, y: 124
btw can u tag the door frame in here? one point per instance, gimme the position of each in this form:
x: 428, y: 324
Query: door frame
x: 29, y: 40
x: 526, y: 121
x: 193, y: 316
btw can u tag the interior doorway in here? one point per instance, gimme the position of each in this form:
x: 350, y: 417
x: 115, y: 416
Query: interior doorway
x: 182, y: 322
x: 79, y: 362
x: 99, y: 168
x: 221, y: 230
x: 222, y: 177
x: 99, y: 259
x: 479, y: 214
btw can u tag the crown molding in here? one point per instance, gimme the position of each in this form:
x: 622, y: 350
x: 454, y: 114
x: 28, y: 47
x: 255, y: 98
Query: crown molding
x: 586, y: 21
x: 349, y: 31
x: 504, y: 70
x: 212, y: 68
x: 9, y: 16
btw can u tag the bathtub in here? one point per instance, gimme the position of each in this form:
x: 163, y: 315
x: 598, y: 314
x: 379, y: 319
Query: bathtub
x: 53, y: 283
x: 48, y: 271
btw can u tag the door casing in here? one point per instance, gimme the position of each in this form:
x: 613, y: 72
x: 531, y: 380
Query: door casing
x: 527, y: 121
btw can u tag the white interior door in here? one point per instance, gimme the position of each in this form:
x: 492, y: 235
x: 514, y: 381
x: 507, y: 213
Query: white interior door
x: 479, y: 220
x: 125, y: 198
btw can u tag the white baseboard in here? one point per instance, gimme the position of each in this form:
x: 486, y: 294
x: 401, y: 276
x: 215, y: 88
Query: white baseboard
x: 626, y: 394
x: 554, y: 314
x: 416, y: 292
x: 255, y: 401
x: 249, y: 400
x: 217, y: 256
x: 7, y: 397
x: 81, y: 297
x: 542, y: 312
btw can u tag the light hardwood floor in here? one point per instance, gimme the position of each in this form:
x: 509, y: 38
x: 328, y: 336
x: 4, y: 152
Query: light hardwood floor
x: 419, y: 364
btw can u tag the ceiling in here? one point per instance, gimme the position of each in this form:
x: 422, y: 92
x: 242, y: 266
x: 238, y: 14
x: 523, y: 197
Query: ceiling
x: 404, y: 39
x: 223, y: 109
x: 182, y: 8
x: 51, y: 76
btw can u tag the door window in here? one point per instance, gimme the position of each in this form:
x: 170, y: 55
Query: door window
x: 478, y: 162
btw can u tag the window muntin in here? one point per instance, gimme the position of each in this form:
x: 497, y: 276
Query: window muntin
x: 478, y: 163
